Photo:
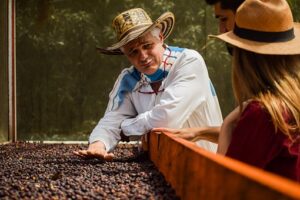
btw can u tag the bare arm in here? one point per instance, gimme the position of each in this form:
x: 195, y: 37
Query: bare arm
x: 193, y: 134
x: 228, y: 126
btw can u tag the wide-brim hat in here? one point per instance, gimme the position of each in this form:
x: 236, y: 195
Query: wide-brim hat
x: 134, y: 23
x: 265, y: 27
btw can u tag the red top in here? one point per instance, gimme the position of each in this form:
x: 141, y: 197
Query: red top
x: 255, y: 142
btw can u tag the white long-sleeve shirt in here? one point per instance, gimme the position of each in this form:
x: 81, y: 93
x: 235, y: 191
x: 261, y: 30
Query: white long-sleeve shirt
x: 188, y: 99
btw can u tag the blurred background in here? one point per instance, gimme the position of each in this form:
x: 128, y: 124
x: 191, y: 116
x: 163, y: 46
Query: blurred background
x: 63, y: 83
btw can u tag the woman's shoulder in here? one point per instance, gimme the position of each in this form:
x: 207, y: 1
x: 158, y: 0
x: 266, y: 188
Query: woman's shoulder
x: 253, y: 105
x: 255, y: 110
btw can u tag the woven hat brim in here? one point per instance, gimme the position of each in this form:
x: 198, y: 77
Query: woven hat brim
x: 291, y: 47
x: 166, y: 22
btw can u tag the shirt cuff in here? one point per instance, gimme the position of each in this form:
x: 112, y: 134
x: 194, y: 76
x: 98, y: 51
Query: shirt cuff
x: 108, y: 142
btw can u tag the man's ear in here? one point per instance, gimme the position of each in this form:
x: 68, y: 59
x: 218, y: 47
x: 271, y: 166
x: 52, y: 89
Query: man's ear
x: 161, y: 37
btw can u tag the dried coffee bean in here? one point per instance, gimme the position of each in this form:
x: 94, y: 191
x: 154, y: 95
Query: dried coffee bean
x: 51, y: 171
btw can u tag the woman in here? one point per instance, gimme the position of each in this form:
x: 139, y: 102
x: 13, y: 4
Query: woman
x: 264, y: 130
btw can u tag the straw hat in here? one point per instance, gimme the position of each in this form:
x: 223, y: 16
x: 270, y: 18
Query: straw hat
x: 265, y: 27
x: 135, y: 23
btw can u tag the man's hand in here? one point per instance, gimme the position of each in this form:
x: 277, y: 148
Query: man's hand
x: 95, y: 150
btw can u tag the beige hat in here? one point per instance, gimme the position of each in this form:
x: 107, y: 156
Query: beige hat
x: 265, y: 27
x: 135, y: 23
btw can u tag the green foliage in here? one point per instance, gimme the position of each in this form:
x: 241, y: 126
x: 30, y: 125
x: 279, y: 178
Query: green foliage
x: 295, y: 6
x: 63, y: 82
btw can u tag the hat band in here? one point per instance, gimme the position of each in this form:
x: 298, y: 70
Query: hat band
x: 262, y: 36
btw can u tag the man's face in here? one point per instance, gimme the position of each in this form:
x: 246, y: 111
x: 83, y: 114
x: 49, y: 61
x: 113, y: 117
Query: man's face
x: 225, y: 17
x: 145, y: 53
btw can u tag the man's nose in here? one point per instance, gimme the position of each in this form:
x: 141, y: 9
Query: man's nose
x: 143, y: 55
x: 222, y: 28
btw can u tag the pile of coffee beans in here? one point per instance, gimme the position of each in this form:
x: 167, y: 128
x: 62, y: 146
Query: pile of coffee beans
x: 52, y: 171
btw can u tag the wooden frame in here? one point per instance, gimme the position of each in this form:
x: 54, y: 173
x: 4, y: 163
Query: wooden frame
x: 12, y: 125
x: 198, y: 174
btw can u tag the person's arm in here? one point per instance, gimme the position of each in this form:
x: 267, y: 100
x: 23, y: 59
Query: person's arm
x: 226, y: 130
x: 228, y: 126
x: 188, y: 85
x: 108, y: 129
x: 193, y: 134
x: 106, y: 134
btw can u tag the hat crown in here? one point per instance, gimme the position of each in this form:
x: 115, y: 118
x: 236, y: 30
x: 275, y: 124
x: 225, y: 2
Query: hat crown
x: 135, y: 23
x: 130, y: 20
x: 265, y: 15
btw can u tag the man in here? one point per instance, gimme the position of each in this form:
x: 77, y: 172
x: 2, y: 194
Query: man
x: 225, y: 12
x: 165, y: 86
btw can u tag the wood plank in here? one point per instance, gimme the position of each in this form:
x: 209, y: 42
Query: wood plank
x: 198, y: 174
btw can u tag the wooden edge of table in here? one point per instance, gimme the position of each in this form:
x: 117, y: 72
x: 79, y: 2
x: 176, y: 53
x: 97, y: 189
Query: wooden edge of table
x: 195, y: 173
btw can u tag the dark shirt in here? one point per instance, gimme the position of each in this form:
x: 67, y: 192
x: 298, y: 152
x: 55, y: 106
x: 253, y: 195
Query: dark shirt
x: 254, y: 141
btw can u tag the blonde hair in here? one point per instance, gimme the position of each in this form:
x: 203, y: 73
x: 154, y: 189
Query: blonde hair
x: 274, y: 81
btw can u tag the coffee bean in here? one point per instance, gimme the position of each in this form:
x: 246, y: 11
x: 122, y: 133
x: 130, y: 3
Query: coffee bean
x: 51, y: 171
